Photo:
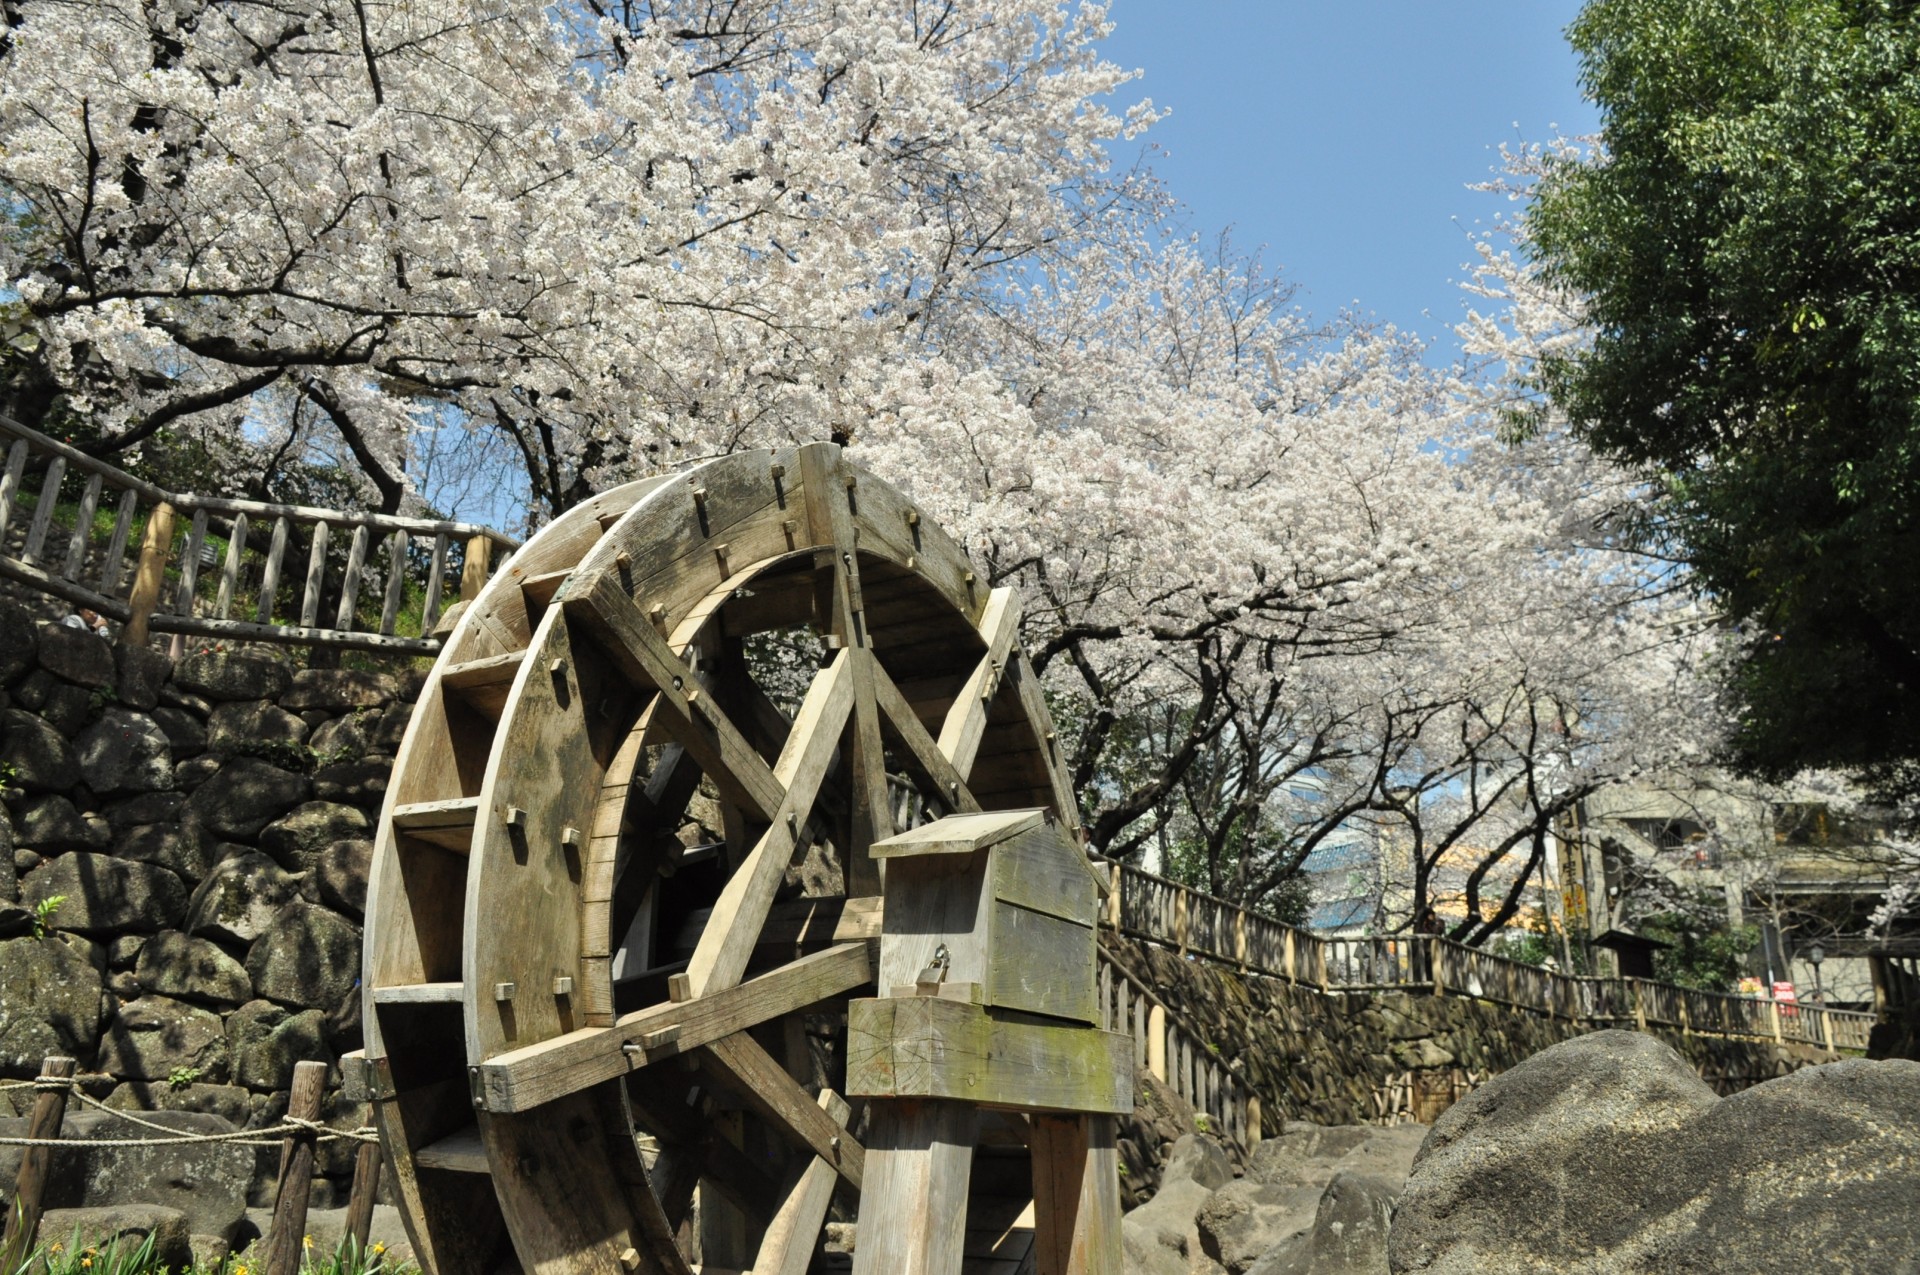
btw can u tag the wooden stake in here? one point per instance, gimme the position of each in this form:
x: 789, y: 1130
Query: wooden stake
x: 149, y: 574
x: 366, y: 1185
x: 289, y: 1225
x: 478, y: 566
x: 49, y: 1108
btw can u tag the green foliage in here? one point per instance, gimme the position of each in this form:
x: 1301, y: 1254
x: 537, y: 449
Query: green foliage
x: 1750, y: 250
x: 1531, y: 948
x: 1703, y: 955
x: 43, y: 914
x: 121, y: 1256
x: 182, y: 1077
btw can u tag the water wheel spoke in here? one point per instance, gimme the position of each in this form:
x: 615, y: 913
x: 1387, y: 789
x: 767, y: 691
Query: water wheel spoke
x: 929, y: 767
x: 966, y: 722
x: 742, y: 1065
x: 787, y: 1247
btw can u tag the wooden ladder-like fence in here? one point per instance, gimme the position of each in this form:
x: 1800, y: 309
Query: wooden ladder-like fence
x: 155, y: 561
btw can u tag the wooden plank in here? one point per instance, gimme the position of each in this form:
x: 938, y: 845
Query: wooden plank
x: 790, y: 1239
x: 420, y: 994
x: 10, y: 481
x: 461, y: 1152
x: 436, y: 584
x: 396, y: 580
x: 913, y: 1214
x: 728, y: 942
x: 350, y: 583
x: 933, y: 902
x: 484, y: 683
x: 695, y: 720
x: 115, y: 560
x: 82, y: 530
x: 959, y: 834
x: 43, y: 512
x: 1041, y: 964
x: 966, y: 721
x: 932, y: 1047
x: 190, y: 564
x: 447, y: 824
x: 270, y: 573
x: 798, y: 925
x: 1033, y: 702
x: 758, y: 1079
x: 525, y: 1078
x: 539, y: 590
x: 230, y: 568
x: 1044, y: 871
x: 316, y: 573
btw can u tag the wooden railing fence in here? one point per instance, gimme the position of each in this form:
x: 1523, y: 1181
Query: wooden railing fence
x: 1199, y: 925
x: 1178, y: 1054
x: 155, y: 561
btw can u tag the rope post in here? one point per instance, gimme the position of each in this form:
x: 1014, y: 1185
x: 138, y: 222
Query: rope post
x: 366, y: 1184
x: 476, y: 569
x: 149, y: 575
x: 289, y: 1225
x: 49, y: 1109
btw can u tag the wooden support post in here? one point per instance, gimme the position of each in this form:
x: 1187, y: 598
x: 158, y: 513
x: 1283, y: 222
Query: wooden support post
x: 1826, y: 1029
x: 1289, y: 957
x: 366, y: 1185
x: 1157, y: 1042
x: 1113, y: 897
x: 1076, y: 1196
x: 913, y: 1198
x: 281, y: 1254
x: 1180, y: 921
x: 1773, y: 1017
x: 149, y: 574
x: 1240, y: 938
x: 1253, y: 1121
x: 477, y: 568
x: 1436, y: 956
x: 49, y: 1109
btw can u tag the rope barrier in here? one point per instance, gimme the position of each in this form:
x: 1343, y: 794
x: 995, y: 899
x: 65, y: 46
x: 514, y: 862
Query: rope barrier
x: 268, y: 1137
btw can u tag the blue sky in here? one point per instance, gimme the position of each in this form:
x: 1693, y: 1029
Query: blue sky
x: 1340, y: 135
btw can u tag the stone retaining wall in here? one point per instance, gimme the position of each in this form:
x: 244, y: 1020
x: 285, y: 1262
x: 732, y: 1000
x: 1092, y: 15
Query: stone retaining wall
x: 206, y: 831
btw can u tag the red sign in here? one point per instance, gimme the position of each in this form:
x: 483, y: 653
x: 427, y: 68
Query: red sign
x: 1783, y: 993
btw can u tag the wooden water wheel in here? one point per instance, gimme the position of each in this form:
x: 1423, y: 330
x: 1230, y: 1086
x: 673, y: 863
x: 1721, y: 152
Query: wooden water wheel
x: 625, y: 927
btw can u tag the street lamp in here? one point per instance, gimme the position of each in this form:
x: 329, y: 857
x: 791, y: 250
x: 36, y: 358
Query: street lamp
x: 1815, y: 955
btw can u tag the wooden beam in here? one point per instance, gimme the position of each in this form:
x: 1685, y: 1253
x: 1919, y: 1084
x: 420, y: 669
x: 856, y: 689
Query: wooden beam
x: 1076, y: 1196
x: 932, y: 1047
x: 522, y: 1079
x: 967, y: 720
x: 758, y: 1079
x: 734, y: 929
x: 787, y: 1247
x: 913, y: 1213
x: 692, y: 717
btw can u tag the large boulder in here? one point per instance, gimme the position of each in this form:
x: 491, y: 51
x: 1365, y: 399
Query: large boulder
x: 298, y: 838
x: 235, y: 726
x: 1607, y: 1154
x: 78, y: 655
x: 337, y: 690
x: 1348, y: 1235
x: 121, y: 1230
x: 309, y: 958
x: 139, y: 673
x: 338, y: 876
x: 1160, y: 1235
x: 1243, y: 1220
x: 245, y: 796
x: 364, y: 783
x: 40, y: 756
x: 266, y: 1041
x: 174, y: 964
x: 230, y: 1102
x: 240, y: 898
x: 124, y: 752
x: 187, y: 733
x: 207, y: 1181
x: 144, y: 810
x: 182, y: 847
x: 220, y: 676
x: 99, y: 893
x: 16, y: 641
x: 49, y: 1004
x: 50, y: 824
x: 159, y: 1038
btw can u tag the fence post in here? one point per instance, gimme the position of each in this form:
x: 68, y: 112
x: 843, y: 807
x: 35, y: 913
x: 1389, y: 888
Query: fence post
x: 149, y: 574
x: 1113, y: 897
x: 475, y: 570
x: 1826, y: 1029
x: 1773, y: 1015
x: 289, y: 1225
x: 1437, y: 951
x: 1157, y: 1042
x: 1287, y: 954
x: 1639, y: 1005
x: 1180, y: 921
x: 49, y: 1109
x: 366, y: 1185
